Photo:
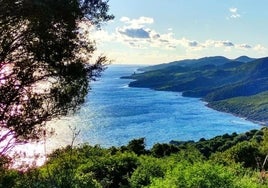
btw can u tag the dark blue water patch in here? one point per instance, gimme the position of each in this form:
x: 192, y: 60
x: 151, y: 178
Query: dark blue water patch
x: 114, y: 114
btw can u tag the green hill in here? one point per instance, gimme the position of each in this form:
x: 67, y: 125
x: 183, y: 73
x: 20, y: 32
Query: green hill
x: 253, y: 107
x: 212, y: 79
x: 217, y: 60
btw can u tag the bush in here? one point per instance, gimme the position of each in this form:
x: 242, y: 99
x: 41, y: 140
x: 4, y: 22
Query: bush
x: 197, y: 175
x: 150, y: 168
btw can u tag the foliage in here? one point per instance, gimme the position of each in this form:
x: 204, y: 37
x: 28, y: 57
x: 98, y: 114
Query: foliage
x: 161, y: 150
x: 45, y: 62
x: 239, y: 154
x: 149, y: 168
x: 207, y: 174
x: 253, y: 107
x: 218, y: 143
x: 93, y: 166
x: 264, y: 144
x: 137, y: 146
x: 203, y: 175
x: 113, y: 171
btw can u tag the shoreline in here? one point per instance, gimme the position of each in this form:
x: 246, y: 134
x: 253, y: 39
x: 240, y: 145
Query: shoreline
x: 261, y: 123
x: 207, y: 104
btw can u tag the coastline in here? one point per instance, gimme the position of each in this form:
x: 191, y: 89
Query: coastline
x: 208, y: 104
x: 259, y: 122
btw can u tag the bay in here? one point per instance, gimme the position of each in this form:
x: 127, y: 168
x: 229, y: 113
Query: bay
x: 114, y: 114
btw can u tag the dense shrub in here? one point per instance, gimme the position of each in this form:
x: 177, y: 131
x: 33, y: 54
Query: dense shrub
x: 217, y: 162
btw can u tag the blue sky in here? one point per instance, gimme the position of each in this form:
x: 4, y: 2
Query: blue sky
x: 158, y: 31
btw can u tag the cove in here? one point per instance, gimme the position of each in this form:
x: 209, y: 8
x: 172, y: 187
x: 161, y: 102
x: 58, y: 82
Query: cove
x: 114, y: 114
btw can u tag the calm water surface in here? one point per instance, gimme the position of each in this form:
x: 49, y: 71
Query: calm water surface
x: 115, y: 113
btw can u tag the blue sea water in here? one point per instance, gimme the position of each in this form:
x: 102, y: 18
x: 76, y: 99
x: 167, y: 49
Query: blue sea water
x: 114, y: 114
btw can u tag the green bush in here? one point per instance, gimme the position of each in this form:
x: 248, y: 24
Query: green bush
x: 149, y: 168
x: 197, y: 175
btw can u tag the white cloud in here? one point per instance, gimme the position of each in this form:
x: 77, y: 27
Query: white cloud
x: 227, y: 44
x: 259, y: 48
x: 234, y: 13
x: 135, y: 33
x: 218, y: 43
x: 137, y: 23
x: 124, y: 19
x: 190, y: 44
x: 102, y: 36
x: 138, y: 34
x: 243, y: 46
x: 233, y: 10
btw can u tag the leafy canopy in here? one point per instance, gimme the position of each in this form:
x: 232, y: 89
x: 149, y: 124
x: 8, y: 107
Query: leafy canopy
x: 45, y: 62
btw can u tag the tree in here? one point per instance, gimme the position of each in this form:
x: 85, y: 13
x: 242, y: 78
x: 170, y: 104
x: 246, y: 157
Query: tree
x: 137, y: 146
x: 45, y: 62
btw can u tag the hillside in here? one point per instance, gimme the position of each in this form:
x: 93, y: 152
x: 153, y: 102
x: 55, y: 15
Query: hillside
x: 212, y: 79
x: 253, y: 107
x: 230, y: 160
x: 244, y: 59
x: 216, y: 60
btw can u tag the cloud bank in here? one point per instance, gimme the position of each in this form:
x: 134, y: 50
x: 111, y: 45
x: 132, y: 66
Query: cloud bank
x: 139, y: 33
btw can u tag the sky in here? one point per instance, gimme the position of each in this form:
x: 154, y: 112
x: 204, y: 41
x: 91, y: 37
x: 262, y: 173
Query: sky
x: 158, y: 31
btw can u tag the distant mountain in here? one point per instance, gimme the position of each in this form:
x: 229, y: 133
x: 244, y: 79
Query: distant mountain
x: 213, y: 79
x: 215, y: 60
x: 244, y: 59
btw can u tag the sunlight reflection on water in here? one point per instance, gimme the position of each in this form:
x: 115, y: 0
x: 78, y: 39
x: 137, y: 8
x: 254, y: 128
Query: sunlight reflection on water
x: 34, y: 154
x: 114, y: 114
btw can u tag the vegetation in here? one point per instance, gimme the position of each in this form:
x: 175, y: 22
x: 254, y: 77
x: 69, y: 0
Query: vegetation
x: 253, y: 107
x: 45, y: 72
x: 238, y: 86
x: 45, y: 63
x: 235, y: 160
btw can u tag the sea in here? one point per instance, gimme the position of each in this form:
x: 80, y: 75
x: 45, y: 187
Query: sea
x: 114, y: 114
